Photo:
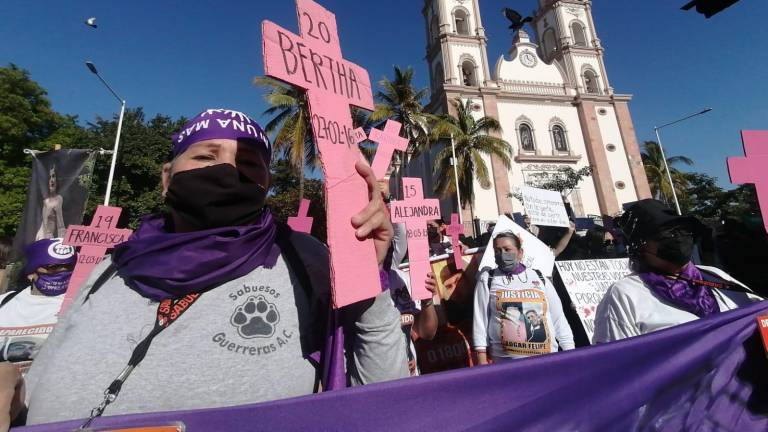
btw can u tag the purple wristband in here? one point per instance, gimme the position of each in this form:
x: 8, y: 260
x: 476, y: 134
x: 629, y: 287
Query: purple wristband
x: 384, y: 278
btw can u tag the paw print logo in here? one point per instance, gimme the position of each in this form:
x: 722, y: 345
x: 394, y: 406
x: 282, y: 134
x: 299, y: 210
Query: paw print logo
x: 255, y: 318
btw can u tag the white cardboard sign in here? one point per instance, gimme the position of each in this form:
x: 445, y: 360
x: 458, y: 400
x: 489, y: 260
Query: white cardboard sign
x: 545, y: 207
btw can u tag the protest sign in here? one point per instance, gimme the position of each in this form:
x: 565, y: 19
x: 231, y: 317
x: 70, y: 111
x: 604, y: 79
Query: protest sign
x: 93, y: 240
x: 751, y: 169
x: 415, y: 211
x: 587, y: 281
x: 545, y: 207
x: 536, y: 254
x: 313, y: 61
x: 388, y: 141
x: 301, y: 222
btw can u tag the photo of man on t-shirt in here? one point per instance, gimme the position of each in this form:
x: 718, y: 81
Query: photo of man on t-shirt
x: 536, y: 330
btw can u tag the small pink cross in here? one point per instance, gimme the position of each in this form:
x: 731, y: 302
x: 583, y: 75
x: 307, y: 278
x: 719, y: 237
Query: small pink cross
x: 388, y: 141
x: 93, y: 240
x: 415, y: 212
x: 455, y: 229
x: 301, y: 222
x: 752, y: 168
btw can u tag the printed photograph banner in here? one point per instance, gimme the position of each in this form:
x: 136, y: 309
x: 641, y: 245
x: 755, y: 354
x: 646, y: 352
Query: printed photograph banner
x: 587, y: 281
x: 707, y: 374
x: 545, y: 207
x: 57, y: 195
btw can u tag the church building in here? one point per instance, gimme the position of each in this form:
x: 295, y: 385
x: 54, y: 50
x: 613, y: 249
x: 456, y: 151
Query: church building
x: 553, y: 99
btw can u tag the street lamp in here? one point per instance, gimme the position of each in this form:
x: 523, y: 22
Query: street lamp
x: 93, y: 70
x: 664, y: 157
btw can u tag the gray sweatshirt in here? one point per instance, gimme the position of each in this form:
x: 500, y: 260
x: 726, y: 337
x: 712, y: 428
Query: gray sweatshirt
x: 239, y: 343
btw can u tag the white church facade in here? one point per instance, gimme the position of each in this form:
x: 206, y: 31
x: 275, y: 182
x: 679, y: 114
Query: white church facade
x: 553, y: 100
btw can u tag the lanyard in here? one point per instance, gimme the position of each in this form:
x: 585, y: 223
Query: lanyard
x: 168, y: 311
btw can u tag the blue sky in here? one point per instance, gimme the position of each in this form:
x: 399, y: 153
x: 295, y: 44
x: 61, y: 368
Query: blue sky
x: 178, y: 58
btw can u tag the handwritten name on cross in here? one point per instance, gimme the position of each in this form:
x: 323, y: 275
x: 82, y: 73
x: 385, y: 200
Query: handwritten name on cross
x: 388, y: 141
x: 93, y: 240
x: 752, y: 168
x: 301, y: 222
x: 415, y: 212
x: 455, y: 229
x: 313, y: 61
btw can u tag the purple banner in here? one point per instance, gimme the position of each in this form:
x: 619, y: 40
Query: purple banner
x: 709, y: 374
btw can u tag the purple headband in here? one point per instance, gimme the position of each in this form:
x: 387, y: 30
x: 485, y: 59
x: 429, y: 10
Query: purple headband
x: 47, y: 252
x: 224, y: 124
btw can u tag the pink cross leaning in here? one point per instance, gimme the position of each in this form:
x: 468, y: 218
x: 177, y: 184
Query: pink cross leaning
x: 415, y: 212
x: 455, y: 229
x: 313, y: 61
x: 388, y: 141
x: 752, y: 168
x: 301, y: 222
x: 93, y: 240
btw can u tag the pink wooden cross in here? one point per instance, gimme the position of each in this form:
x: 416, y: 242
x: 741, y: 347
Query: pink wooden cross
x: 301, y: 222
x: 415, y: 212
x: 388, y: 141
x: 455, y: 229
x: 93, y: 240
x: 313, y: 61
x: 752, y: 168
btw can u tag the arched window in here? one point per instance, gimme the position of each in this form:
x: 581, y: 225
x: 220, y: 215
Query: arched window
x: 590, y: 82
x: 469, y: 78
x: 579, y: 35
x: 526, y: 138
x: 462, y: 21
x: 559, y: 140
x: 550, y: 43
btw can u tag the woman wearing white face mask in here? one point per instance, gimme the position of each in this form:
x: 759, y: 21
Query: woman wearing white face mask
x: 501, y: 297
x: 29, y: 315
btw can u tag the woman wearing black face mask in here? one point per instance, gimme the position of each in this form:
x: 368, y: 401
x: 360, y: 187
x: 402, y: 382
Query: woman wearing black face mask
x: 666, y: 288
x: 517, y: 312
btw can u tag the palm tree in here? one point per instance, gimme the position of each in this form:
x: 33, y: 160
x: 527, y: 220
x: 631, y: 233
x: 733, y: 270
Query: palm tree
x: 292, y: 126
x: 400, y: 101
x: 472, y: 141
x: 657, y: 174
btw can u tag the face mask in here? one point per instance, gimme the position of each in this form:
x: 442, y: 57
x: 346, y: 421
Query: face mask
x: 53, y: 284
x: 507, y: 261
x: 677, y: 250
x: 215, y: 196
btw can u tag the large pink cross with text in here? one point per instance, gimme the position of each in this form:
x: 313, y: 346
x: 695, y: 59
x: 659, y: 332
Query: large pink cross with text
x: 388, y: 141
x: 752, y: 168
x: 455, y: 229
x: 313, y: 61
x: 415, y: 212
x: 93, y: 240
x: 301, y: 222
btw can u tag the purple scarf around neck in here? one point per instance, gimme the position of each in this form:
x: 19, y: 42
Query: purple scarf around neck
x: 696, y: 299
x: 516, y: 271
x: 159, y: 264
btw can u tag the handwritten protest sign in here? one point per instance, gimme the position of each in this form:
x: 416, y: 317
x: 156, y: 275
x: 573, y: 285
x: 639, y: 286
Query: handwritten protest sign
x: 301, y: 222
x: 545, y: 207
x: 751, y: 169
x: 313, y: 61
x: 388, y: 141
x: 587, y: 281
x: 415, y: 211
x: 537, y: 255
x: 455, y: 229
x: 93, y: 240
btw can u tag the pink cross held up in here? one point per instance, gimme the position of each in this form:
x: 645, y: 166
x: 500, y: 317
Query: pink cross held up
x: 455, y: 229
x: 313, y: 61
x: 93, y: 240
x: 301, y: 222
x: 752, y: 168
x: 415, y: 212
x: 388, y: 141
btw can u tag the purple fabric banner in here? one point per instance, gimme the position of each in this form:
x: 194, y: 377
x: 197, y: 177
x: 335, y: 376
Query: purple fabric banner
x: 708, y: 375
